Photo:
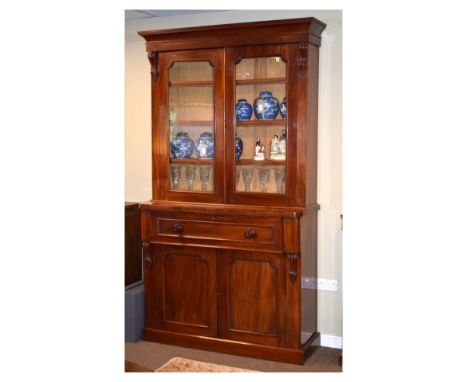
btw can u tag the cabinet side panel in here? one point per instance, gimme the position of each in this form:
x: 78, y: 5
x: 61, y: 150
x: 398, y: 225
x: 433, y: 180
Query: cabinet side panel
x: 309, y: 269
x: 133, y: 254
x: 160, y: 133
x: 312, y: 120
x: 293, y: 283
x: 155, y: 122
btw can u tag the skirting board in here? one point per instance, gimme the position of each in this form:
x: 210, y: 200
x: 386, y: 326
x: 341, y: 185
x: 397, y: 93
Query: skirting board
x: 335, y: 342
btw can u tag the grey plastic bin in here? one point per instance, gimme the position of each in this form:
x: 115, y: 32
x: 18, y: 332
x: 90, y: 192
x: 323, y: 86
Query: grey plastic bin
x: 134, y: 312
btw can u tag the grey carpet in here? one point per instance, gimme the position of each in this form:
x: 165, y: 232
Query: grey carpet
x: 154, y: 355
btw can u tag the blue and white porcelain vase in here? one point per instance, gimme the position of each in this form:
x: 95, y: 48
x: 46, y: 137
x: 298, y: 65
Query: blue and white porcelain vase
x: 182, y: 146
x: 243, y: 110
x: 283, y: 108
x: 204, y: 146
x: 266, y: 106
x: 239, y: 147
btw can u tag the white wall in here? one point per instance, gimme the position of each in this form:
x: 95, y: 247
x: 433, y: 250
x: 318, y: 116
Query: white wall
x: 138, y: 133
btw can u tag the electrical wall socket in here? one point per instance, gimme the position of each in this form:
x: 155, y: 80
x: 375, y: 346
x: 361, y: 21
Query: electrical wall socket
x: 320, y: 284
x: 309, y: 283
x: 327, y: 284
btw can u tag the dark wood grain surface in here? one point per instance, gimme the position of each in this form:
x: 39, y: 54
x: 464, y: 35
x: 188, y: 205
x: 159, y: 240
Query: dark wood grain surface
x: 223, y: 269
x: 133, y: 267
x: 255, y: 33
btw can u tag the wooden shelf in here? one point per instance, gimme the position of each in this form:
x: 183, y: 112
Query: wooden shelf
x: 194, y: 161
x: 262, y: 122
x: 176, y: 84
x: 266, y: 162
x: 193, y: 123
x: 256, y: 81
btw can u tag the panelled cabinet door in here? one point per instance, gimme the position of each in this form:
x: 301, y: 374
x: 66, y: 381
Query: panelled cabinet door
x: 253, y: 297
x: 264, y: 92
x: 181, y: 289
x: 189, y: 133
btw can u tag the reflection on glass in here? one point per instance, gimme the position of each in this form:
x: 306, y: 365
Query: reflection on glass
x: 279, y: 179
x: 262, y: 82
x: 190, y: 172
x: 264, y: 177
x: 190, y: 71
x: 191, y: 135
x: 204, y: 176
x: 261, y: 67
x: 175, y: 176
x: 238, y: 173
x: 247, y: 175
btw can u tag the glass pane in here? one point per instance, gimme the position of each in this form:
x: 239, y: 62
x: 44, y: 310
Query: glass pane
x: 261, y: 125
x: 191, y: 127
x: 264, y: 67
x: 191, y: 71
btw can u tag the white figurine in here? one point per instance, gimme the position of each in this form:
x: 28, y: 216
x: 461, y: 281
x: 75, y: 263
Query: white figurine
x: 259, y: 150
x: 274, y: 147
x: 278, y: 147
x: 202, y: 149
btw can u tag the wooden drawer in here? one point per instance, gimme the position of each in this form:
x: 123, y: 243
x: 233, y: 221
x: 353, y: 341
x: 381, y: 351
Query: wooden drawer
x: 215, y: 230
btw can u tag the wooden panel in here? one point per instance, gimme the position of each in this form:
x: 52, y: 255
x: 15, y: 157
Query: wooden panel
x: 133, y: 255
x: 252, y: 297
x: 308, y: 243
x: 291, y: 238
x: 185, y: 282
x: 215, y: 230
x: 152, y: 289
x: 312, y: 125
x: 185, y: 289
x: 245, y: 313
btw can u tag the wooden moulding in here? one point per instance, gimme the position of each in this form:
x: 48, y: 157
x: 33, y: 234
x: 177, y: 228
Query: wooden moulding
x: 301, y: 30
x: 259, y: 81
x: 214, y: 208
x: 288, y: 355
x: 262, y: 122
x: 192, y: 161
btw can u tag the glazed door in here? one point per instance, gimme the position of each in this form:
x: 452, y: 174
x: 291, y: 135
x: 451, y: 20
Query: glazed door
x: 264, y: 93
x: 189, y: 134
x: 253, y: 297
x: 180, y: 287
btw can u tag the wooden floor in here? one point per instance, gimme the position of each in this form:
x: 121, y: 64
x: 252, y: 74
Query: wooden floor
x: 150, y: 355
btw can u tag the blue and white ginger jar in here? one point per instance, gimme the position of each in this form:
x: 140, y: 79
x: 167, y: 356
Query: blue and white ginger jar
x: 283, y: 108
x: 243, y: 110
x: 204, y: 146
x: 182, y: 146
x: 266, y: 106
x: 239, y: 147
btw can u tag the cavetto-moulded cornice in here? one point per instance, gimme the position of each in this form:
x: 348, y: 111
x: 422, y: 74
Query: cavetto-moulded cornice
x: 301, y: 30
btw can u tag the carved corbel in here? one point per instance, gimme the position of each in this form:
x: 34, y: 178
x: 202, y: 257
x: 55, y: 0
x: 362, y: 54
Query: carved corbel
x: 292, y: 266
x: 148, y: 257
x: 302, y: 60
x: 153, y: 59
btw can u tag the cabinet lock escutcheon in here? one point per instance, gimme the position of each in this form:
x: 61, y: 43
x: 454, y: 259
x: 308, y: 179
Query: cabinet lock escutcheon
x: 177, y: 228
x: 250, y: 234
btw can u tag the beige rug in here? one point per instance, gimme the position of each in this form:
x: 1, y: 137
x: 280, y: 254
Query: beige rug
x: 178, y: 364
